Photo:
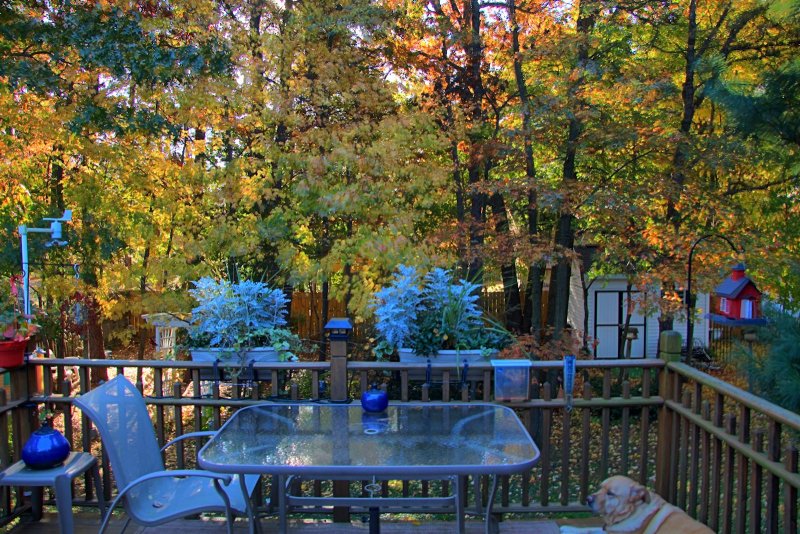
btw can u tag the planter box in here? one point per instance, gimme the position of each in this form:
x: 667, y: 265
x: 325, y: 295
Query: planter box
x: 443, y: 356
x: 258, y: 354
x: 230, y: 357
x: 455, y: 358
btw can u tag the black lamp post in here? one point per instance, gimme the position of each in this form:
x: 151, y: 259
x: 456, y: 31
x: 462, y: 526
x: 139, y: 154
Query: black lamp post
x: 689, y: 299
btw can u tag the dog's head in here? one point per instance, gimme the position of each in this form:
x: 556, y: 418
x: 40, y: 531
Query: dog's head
x: 617, y: 498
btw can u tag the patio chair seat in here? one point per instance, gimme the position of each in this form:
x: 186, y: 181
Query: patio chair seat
x: 159, y: 501
x: 153, y: 495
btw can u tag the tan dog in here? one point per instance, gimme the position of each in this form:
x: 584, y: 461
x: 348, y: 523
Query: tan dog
x: 627, y: 506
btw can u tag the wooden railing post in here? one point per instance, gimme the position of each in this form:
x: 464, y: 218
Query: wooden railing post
x: 790, y: 492
x: 338, y: 330
x: 669, y: 346
x: 22, y: 418
x: 666, y: 437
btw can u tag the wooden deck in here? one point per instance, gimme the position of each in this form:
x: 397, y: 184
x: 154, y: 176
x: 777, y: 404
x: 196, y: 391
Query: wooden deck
x: 88, y: 523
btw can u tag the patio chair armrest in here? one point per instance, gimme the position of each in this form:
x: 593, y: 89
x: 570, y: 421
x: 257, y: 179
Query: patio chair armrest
x: 173, y: 473
x: 190, y: 435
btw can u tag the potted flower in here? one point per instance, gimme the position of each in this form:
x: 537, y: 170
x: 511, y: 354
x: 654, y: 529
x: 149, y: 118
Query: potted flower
x: 15, y: 327
x: 434, y: 315
x: 238, y: 323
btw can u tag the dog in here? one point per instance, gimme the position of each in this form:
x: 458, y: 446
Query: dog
x: 627, y: 506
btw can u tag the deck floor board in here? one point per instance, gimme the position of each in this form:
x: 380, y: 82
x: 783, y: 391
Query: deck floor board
x: 87, y: 523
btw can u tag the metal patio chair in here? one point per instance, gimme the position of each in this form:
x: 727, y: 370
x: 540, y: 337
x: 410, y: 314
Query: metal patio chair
x: 153, y: 495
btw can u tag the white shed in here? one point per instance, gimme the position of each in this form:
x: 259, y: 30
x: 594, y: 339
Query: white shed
x: 606, y: 303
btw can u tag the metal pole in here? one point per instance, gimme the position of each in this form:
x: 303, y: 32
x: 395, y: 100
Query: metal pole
x: 689, y: 299
x: 23, y: 236
x: 26, y: 272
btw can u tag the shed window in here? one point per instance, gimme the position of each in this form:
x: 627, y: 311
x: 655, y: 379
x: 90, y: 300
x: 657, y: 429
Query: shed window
x: 724, y: 306
x: 747, y: 309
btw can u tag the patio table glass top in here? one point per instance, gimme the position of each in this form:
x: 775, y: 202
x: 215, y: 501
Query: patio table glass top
x: 339, y: 439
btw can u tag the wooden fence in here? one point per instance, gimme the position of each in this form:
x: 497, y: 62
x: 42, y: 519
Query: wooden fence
x: 306, y: 314
x: 728, y: 458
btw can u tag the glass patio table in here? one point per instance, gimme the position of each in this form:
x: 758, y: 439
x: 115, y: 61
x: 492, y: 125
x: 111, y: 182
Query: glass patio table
x: 409, y: 441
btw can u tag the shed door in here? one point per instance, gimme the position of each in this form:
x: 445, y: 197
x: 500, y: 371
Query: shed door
x: 609, y: 319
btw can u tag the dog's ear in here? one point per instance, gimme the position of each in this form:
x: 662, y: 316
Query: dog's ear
x: 640, y: 493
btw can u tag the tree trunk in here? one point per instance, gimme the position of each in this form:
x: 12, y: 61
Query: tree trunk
x: 325, y: 249
x: 56, y: 187
x: 681, y: 155
x: 347, y: 270
x: 534, y: 289
x: 508, y: 270
x: 531, y: 320
x: 626, y: 325
x: 142, y: 290
x: 475, y: 166
x: 94, y: 338
x: 324, y: 319
x: 585, y: 288
x: 560, y: 281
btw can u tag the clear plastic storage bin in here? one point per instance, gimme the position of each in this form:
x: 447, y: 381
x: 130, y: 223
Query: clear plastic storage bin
x: 512, y: 379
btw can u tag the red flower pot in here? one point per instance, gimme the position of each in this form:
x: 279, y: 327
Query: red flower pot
x: 12, y: 353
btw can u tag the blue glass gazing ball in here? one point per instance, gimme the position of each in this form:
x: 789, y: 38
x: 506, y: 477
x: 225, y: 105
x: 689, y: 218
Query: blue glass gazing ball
x: 374, y: 400
x: 46, y: 448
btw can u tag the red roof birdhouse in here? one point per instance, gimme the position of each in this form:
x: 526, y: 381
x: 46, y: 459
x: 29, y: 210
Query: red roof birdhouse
x: 739, y: 300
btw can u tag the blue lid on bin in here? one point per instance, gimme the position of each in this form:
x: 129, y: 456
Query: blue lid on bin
x: 511, y: 363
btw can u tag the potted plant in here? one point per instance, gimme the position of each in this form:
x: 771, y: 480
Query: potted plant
x: 15, y: 328
x: 434, y: 315
x: 238, y: 323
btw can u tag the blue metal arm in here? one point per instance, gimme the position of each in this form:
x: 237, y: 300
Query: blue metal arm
x: 190, y: 435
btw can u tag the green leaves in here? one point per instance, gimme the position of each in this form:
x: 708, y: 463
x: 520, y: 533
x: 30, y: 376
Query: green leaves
x: 99, y: 61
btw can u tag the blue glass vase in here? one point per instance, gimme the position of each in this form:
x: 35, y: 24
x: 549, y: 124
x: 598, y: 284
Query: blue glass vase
x: 46, y: 448
x: 374, y: 400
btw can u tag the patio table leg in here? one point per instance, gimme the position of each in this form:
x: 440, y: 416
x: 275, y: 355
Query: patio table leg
x: 476, y: 490
x: 252, y: 521
x: 460, y: 482
x: 491, y: 526
x: 281, y: 482
x: 374, y: 520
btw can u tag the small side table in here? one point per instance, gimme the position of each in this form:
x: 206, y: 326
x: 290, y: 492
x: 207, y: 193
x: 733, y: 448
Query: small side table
x: 61, y: 478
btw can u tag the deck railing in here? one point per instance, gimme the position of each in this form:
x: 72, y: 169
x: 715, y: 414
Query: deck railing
x: 727, y: 457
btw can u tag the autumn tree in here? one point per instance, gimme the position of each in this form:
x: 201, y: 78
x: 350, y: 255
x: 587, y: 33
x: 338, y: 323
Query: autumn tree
x: 103, y: 77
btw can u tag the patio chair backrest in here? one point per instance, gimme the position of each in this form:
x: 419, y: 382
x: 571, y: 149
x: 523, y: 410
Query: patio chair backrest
x: 119, y: 413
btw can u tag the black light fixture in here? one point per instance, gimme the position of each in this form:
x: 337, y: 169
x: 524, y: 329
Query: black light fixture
x: 339, y: 328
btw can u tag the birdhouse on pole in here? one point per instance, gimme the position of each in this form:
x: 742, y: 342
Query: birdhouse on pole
x: 738, y: 300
